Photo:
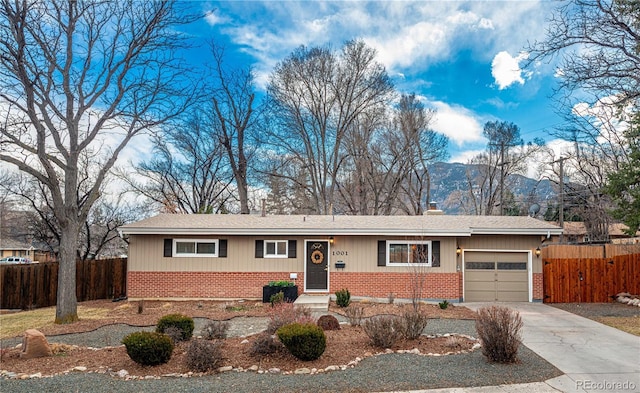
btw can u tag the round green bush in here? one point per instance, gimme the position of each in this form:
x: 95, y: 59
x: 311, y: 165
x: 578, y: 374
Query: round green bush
x: 182, y: 322
x: 304, y: 341
x: 148, y: 348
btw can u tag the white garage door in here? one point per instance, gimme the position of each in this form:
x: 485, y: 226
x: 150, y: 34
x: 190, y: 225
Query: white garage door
x: 496, y: 276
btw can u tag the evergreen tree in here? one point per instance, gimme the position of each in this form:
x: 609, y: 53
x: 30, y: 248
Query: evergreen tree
x: 624, y: 186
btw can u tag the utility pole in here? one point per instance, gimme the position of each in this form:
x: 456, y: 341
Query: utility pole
x: 561, y: 196
x: 502, y: 178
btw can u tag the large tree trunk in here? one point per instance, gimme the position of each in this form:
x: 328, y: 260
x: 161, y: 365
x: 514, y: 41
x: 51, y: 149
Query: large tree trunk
x: 243, y: 193
x: 67, y: 302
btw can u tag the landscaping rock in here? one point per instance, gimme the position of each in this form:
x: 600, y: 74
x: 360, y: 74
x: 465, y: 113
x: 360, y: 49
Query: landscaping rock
x: 34, y: 345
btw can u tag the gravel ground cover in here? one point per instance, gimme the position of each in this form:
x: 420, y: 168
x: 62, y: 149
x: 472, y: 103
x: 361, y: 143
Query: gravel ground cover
x: 597, y: 310
x: 391, y: 372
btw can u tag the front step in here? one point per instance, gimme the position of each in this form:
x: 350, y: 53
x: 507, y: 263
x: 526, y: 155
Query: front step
x: 315, y: 303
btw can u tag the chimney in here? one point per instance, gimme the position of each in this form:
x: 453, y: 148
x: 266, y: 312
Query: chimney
x: 264, y: 207
x: 433, y: 210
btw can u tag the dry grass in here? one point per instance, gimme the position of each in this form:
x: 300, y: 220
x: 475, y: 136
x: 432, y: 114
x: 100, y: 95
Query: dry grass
x: 626, y: 324
x: 15, y: 324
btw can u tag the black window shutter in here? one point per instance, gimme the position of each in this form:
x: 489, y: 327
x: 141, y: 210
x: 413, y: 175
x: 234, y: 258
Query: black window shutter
x: 168, y: 247
x: 382, y: 253
x: 222, y: 248
x: 259, y: 248
x: 292, y: 249
x: 435, y: 253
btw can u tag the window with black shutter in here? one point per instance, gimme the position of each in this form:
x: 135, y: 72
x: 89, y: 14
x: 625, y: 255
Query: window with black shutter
x: 168, y: 247
x: 222, y: 248
x: 259, y: 248
x: 292, y: 248
x: 382, y: 253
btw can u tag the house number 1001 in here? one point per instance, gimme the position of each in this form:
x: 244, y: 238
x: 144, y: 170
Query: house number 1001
x: 340, y: 253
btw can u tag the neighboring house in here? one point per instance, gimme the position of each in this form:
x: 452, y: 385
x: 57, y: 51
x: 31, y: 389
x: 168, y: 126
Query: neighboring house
x: 461, y: 258
x: 15, y: 248
x: 576, y: 232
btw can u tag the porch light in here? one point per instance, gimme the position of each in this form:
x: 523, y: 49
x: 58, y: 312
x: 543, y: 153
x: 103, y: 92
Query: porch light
x: 538, y: 252
x: 458, y: 251
x: 330, y: 239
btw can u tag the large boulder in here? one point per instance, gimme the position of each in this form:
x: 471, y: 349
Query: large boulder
x: 34, y: 345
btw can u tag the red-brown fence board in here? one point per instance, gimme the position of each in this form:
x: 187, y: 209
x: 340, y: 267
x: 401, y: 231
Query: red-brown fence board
x: 36, y: 285
x: 590, y: 280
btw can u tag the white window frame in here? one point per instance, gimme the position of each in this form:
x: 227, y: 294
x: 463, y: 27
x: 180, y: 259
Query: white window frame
x: 195, y: 254
x: 409, y: 243
x: 276, y: 255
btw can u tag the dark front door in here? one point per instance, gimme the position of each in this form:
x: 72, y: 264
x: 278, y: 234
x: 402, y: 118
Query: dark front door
x: 317, y: 265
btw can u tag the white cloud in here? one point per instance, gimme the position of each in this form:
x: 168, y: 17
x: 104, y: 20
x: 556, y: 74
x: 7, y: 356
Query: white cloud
x: 418, y: 41
x: 605, y: 115
x: 406, y: 34
x: 485, y: 24
x: 506, y: 69
x: 465, y: 156
x: 213, y: 18
x: 459, y: 124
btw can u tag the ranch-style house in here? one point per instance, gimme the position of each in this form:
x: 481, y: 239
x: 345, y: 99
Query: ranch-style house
x: 224, y: 256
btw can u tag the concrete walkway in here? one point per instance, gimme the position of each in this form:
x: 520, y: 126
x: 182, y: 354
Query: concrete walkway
x: 593, y: 356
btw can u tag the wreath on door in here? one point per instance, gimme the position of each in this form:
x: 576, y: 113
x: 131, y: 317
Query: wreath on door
x: 317, y: 257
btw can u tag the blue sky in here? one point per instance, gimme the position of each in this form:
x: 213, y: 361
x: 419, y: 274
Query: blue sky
x: 462, y: 58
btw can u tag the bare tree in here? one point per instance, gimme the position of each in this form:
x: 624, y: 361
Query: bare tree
x: 371, y: 173
x: 488, y: 176
x: 188, y: 172
x: 422, y: 146
x: 81, y: 79
x: 597, y: 42
x: 317, y: 96
x: 39, y: 224
x: 233, y: 118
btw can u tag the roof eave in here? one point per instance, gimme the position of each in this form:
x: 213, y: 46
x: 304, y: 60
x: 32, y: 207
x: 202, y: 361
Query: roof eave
x: 334, y: 232
x: 516, y: 231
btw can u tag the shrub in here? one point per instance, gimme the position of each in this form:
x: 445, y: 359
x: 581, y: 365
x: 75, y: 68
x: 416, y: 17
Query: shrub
x: 499, y: 332
x: 413, y: 323
x: 281, y: 283
x: 277, y: 298
x: 182, y: 322
x: 148, y: 348
x: 203, y: 355
x: 264, y: 344
x: 455, y: 342
x: 285, y: 314
x: 174, y: 333
x: 215, y: 330
x: 304, y: 341
x: 343, y: 298
x: 383, y: 331
x: 443, y: 304
x: 328, y: 322
x: 354, y: 314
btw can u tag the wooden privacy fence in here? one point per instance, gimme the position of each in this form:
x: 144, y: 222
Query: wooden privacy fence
x: 36, y: 285
x: 590, y: 280
x: 554, y: 251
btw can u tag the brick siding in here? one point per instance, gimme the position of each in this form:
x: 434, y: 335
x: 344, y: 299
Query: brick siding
x: 249, y: 284
x: 538, y: 292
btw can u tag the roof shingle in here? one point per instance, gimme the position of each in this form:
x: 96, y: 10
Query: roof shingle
x: 442, y: 225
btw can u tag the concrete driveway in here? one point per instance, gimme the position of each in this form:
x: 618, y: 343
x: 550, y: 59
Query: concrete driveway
x: 593, y: 356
